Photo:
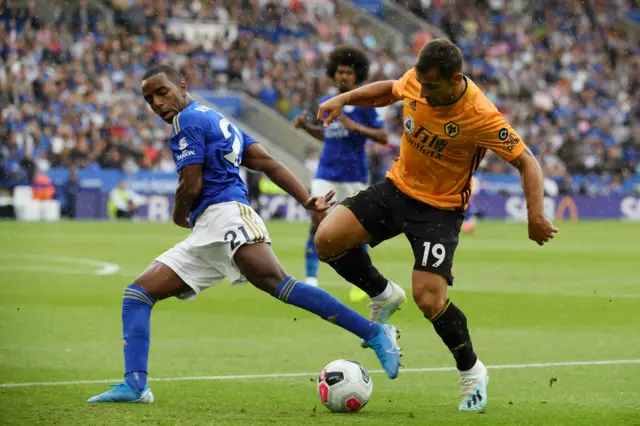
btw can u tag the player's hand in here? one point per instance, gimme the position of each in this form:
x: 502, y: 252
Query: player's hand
x: 332, y: 109
x: 348, y: 123
x: 299, y: 121
x: 541, y: 230
x: 320, y: 203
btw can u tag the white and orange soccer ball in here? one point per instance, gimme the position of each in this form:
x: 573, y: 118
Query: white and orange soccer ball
x: 344, y: 386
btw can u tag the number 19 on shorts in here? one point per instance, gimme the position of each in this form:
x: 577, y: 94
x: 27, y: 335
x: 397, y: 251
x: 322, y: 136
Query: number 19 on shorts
x: 437, y: 253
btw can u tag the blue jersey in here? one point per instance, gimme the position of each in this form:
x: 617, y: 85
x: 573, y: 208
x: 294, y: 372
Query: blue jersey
x: 203, y: 136
x: 343, y: 157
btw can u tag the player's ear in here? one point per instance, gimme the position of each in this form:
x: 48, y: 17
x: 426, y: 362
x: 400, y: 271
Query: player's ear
x: 457, y: 78
x: 183, y: 87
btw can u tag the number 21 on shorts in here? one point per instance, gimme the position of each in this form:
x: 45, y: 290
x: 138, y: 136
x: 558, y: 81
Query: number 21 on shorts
x: 232, y: 237
x: 437, y: 252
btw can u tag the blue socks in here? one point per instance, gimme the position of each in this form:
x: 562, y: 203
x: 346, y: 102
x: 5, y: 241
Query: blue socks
x: 321, y: 303
x: 136, y: 315
x: 136, y: 335
x: 311, y: 260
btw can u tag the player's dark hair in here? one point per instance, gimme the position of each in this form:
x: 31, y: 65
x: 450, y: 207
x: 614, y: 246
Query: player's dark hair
x: 442, y: 55
x: 172, y: 74
x: 349, y: 56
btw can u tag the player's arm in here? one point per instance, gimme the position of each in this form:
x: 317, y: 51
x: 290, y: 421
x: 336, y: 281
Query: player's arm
x: 189, y: 187
x: 379, y: 135
x: 300, y: 122
x: 188, y: 147
x: 378, y: 94
x: 497, y: 135
x: 257, y: 158
x: 372, y: 127
x: 532, y: 180
x: 373, y: 95
x: 541, y: 230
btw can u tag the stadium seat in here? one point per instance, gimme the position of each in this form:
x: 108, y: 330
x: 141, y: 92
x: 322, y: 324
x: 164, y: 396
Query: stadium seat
x: 22, y: 195
x: 29, y: 211
x: 50, y: 210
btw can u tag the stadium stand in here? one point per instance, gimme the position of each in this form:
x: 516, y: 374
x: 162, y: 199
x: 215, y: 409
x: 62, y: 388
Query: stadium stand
x: 565, y: 75
x: 566, y: 79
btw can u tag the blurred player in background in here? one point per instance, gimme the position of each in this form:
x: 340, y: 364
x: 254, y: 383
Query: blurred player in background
x: 227, y: 239
x: 448, y: 126
x: 343, y: 162
x: 122, y: 202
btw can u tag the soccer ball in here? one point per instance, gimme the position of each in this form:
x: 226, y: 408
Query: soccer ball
x: 344, y: 386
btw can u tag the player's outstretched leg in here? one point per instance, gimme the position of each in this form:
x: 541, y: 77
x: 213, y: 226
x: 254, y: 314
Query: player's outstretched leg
x: 340, y: 241
x: 430, y: 294
x: 311, y: 261
x: 259, y: 265
x: 156, y: 283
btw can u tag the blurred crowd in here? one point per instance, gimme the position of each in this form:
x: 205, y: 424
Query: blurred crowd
x: 69, y: 90
x: 562, y: 73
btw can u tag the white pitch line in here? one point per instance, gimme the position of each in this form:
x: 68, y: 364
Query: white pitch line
x: 102, y: 268
x: 293, y: 375
x: 62, y: 271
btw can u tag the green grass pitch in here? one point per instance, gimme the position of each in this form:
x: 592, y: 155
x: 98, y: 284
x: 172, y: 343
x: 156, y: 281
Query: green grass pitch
x: 575, y: 300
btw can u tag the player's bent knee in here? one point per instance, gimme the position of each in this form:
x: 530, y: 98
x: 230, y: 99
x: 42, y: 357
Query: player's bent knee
x: 338, y: 232
x: 326, y: 241
x: 429, y: 292
x: 160, y: 281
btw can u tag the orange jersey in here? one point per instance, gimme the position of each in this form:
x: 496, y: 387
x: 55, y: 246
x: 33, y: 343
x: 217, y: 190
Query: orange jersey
x: 442, y: 147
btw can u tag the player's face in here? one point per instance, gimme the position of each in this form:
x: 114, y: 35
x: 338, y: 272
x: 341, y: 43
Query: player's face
x: 437, y: 90
x: 345, y: 78
x: 165, y: 98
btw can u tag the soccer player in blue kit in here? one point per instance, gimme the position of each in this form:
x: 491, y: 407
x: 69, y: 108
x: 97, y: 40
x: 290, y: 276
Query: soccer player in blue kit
x: 228, y: 239
x: 343, y: 166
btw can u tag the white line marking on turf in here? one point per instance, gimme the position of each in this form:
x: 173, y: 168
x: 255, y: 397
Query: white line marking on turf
x: 101, y: 268
x: 290, y: 375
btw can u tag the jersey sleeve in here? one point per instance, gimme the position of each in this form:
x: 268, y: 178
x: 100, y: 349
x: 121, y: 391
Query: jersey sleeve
x: 498, y: 135
x: 399, y: 85
x: 247, y: 141
x: 189, y: 147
